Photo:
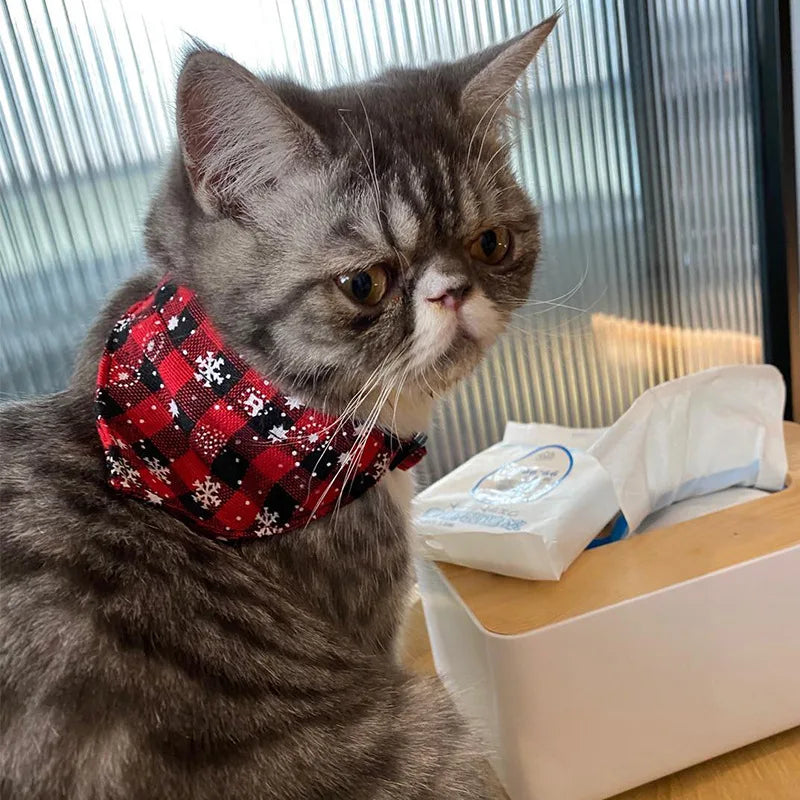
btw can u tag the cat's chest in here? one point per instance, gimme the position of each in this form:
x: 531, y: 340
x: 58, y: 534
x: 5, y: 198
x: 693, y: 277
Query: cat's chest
x: 360, y: 553
x: 399, y: 487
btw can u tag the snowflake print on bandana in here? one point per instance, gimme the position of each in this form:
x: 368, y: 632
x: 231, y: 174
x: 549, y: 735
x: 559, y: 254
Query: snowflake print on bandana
x: 358, y: 427
x: 121, y: 469
x: 207, y: 438
x: 267, y: 523
x: 122, y: 325
x: 278, y: 433
x: 379, y: 467
x: 209, y: 369
x: 206, y: 492
x: 159, y: 471
x: 311, y: 434
x: 156, y: 345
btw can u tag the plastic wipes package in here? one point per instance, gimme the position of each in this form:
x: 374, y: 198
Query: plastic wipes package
x: 529, y: 505
x: 525, y: 507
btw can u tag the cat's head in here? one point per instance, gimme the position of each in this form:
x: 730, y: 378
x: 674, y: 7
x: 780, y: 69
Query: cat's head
x: 371, y: 235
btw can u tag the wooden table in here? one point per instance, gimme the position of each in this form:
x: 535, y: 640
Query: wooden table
x: 766, y: 770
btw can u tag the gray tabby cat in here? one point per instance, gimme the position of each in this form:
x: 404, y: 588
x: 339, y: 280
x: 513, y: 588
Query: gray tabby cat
x: 142, y: 660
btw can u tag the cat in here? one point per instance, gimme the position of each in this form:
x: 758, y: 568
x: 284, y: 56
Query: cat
x: 361, y: 246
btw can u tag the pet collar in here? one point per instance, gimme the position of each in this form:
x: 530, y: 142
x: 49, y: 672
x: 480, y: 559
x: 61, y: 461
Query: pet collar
x: 188, y: 426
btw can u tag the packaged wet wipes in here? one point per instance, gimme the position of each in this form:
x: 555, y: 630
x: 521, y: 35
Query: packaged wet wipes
x: 529, y: 505
x: 525, y: 507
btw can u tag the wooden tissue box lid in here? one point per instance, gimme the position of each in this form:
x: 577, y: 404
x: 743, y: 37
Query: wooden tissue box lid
x: 608, y: 575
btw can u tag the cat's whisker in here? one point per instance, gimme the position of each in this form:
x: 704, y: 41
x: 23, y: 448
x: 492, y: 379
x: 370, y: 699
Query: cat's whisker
x: 495, y: 173
x: 356, y: 452
x: 345, y: 415
x: 372, y: 147
x: 554, y: 332
x: 378, y: 407
x: 422, y: 369
x: 436, y: 395
x: 350, y: 463
x: 506, y: 145
x: 489, y: 124
x: 400, y: 387
x: 352, y: 407
x: 420, y: 372
x: 554, y: 300
x: 403, y: 259
x: 376, y: 195
x: 553, y: 306
x: 380, y: 372
x: 576, y: 288
x: 499, y: 99
x: 387, y: 367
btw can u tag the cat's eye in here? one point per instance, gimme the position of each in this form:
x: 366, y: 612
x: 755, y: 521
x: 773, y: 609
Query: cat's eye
x: 367, y: 287
x: 491, y: 245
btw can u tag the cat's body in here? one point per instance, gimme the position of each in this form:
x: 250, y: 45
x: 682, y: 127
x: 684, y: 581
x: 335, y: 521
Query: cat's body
x: 142, y: 660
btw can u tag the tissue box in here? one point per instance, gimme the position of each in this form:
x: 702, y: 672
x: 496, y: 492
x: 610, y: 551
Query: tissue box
x: 650, y: 655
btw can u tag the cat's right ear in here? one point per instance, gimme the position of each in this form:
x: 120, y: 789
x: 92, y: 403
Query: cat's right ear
x: 236, y: 136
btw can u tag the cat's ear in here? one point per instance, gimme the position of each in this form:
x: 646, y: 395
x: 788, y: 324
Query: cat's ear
x: 489, y: 76
x: 236, y: 135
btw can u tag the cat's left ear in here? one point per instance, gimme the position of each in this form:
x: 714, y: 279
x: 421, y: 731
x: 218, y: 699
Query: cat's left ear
x: 490, y: 75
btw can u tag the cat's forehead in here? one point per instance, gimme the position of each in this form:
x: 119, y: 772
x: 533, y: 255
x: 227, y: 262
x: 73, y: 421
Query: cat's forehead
x: 405, y: 170
x: 402, y: 103
x: 410, y: 205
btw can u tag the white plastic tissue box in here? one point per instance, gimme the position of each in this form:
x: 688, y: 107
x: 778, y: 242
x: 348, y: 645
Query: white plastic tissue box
x: 649, y: 655
x: 652, y: 653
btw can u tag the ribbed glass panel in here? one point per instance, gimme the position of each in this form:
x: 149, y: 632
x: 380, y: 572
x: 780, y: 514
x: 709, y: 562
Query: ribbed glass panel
x: 633, y: 134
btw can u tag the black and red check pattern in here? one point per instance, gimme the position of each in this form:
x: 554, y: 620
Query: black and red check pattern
x: 187, y: 425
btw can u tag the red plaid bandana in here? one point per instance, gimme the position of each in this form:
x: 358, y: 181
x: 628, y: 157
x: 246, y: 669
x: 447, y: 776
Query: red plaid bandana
x: 188, y: 426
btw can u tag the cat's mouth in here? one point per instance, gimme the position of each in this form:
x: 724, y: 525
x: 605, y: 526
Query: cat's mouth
x: 477, y: 325
x: 467, y: 331
x: 456, y: 361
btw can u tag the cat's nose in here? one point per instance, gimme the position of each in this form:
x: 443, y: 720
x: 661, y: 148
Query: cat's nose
x: 453, y: 296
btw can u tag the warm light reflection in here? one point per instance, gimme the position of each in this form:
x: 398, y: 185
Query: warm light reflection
x: 672, y: 350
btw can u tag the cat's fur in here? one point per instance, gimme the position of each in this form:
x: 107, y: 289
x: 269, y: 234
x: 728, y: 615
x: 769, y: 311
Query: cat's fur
x: 142, y: 660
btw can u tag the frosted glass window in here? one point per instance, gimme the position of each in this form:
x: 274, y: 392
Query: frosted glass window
x: 633, y: 135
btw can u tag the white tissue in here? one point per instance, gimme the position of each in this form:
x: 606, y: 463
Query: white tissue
x: 694, y: 436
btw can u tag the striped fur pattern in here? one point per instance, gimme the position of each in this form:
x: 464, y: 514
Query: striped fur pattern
x: 140, y: 660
